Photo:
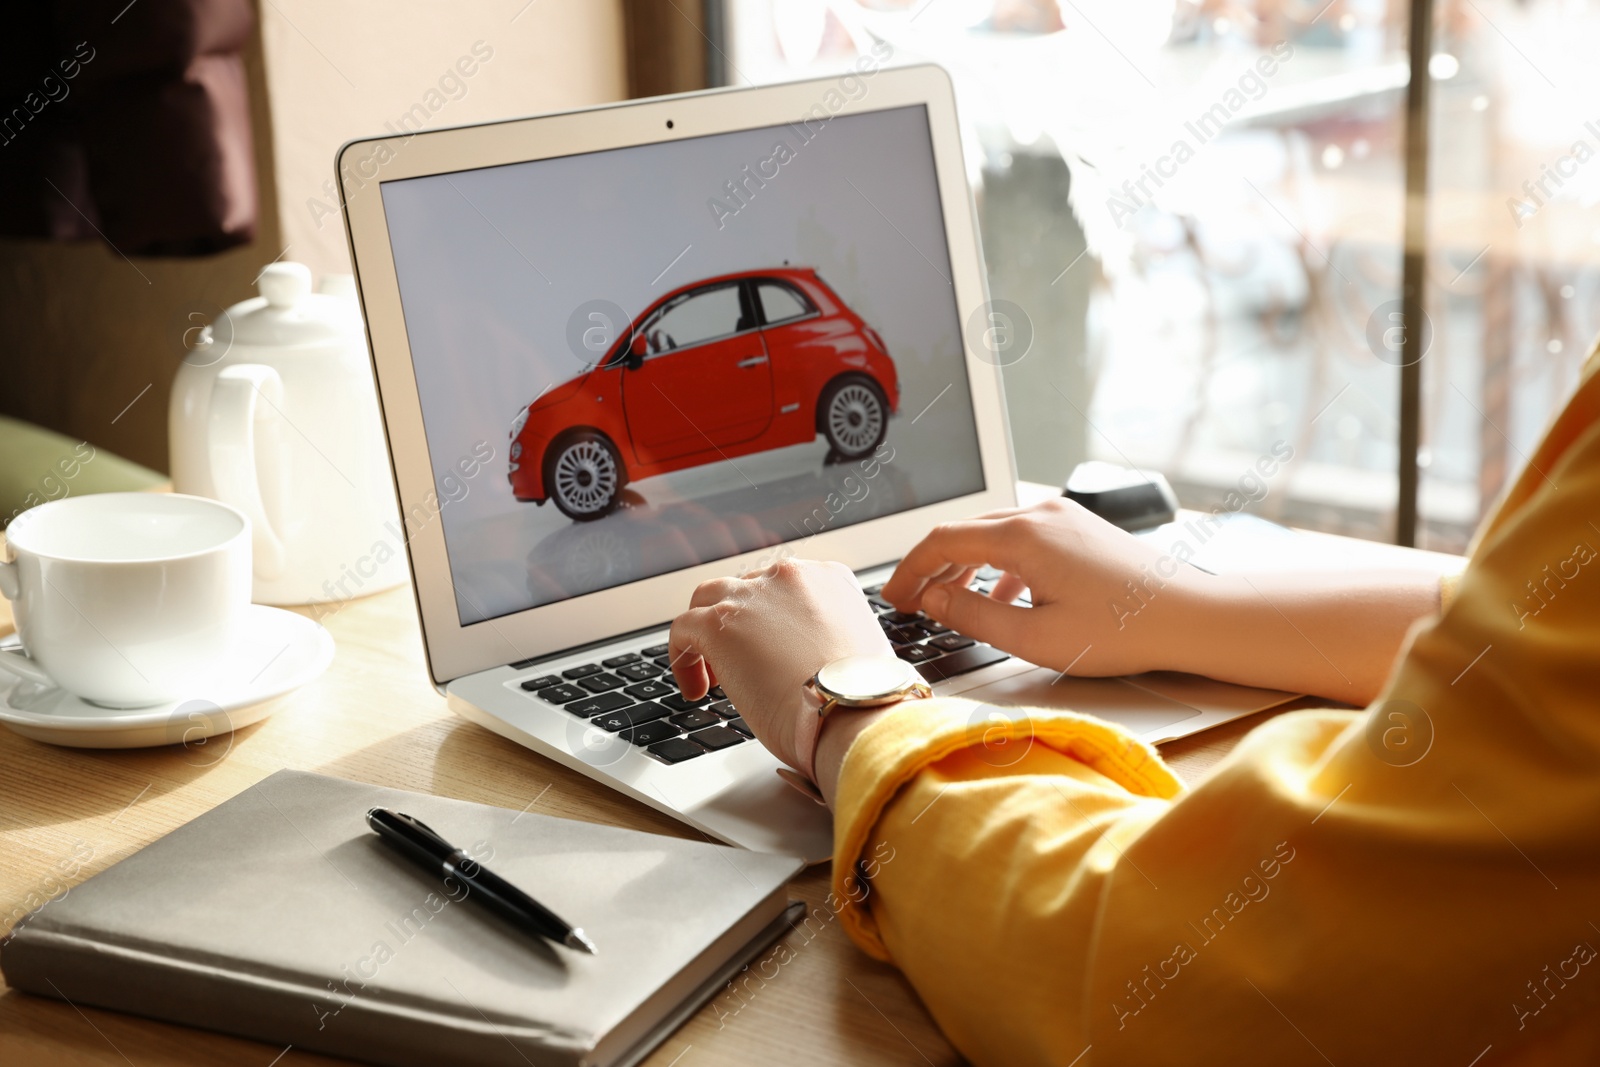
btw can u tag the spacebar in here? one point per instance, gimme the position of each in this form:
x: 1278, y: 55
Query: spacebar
x: 963, y: 662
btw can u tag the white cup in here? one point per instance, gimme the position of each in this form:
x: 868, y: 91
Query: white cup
x: 126, y: 599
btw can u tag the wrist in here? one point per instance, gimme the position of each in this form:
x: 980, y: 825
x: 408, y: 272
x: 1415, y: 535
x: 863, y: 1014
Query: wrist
x: 1199, y: 609
x: 837, y: 734
x: 847, y: 690
x: 807, y: 734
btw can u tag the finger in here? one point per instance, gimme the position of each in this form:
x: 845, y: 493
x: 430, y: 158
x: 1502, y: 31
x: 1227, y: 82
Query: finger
x: 714, y: 591
x: 939, y: 557
x: 976, y: 615
x: 946, y: 551
x: 691, y: 632
x: 1004, y: 513
x: 766, y: 570
x: 954, y: 576
x: 950, y: 572
x: 962, y: 578
x: 1007, y: 588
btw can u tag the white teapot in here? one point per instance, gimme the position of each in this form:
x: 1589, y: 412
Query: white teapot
x: 274, y: 412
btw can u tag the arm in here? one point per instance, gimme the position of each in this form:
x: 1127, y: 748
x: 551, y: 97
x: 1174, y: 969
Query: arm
x: 1334, y: 634
x: 1324, y: 896
x: 1106, y: 602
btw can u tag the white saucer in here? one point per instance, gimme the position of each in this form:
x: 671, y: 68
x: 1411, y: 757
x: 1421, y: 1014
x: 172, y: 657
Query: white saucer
x: 278, y: 651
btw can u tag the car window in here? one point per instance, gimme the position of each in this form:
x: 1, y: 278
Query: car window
x: 780, y: 303
x: 694, y: 318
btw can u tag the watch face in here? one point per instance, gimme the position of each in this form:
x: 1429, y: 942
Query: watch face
x: 866, y: 677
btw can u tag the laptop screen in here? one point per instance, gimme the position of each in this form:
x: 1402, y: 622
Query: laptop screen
x: 640, y: 360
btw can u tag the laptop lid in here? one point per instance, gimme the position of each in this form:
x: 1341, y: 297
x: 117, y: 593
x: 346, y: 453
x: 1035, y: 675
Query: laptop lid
x: 623, y: 350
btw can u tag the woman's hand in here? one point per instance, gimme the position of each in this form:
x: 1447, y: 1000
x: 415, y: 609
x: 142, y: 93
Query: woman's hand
x: 1104, y: 602
x: 763, y: 636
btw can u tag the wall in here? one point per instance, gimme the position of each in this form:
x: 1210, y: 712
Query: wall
x: 1028, y: 228
x: 83, y: 332
x: 340, y: 71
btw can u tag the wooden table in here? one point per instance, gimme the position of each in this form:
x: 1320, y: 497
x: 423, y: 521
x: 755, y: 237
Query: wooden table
x: 374, y: 718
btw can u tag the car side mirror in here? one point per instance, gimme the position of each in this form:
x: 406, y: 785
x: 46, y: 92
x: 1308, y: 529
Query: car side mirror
x: 636, y: 351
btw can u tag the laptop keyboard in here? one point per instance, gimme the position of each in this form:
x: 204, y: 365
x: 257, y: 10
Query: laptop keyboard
x: 938, y: 651
x: 633, y: 694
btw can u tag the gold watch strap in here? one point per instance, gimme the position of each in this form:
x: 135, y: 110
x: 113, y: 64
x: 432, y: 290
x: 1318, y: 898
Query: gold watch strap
x: 804, y: 780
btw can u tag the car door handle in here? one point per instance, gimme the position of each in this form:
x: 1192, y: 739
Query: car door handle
x: 753, y: 361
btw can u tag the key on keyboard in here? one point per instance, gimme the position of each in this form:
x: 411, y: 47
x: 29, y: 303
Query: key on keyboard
x: 581, y: 672
x: 963, y: 662
x: 649, y: 733
x: 716, y: 737
x: 951, y: 642
x: 613, y: 721
x: 904, y: 635
x: 695, y: 720
x: 638, y: 672
x: 560, y: 694
x: 544, y: 681
x: 596, y: 705
x: 676, y: 750
x: 600, y: 683
x: 651, y: 690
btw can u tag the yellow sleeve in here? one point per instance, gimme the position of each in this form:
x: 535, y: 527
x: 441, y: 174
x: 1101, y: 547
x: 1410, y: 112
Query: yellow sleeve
x: 1447, y: 590
x: 1411, y: 884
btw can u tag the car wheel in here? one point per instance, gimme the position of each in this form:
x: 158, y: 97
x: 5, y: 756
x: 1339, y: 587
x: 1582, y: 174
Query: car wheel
x: 853, y: 416
x: 583, y: 475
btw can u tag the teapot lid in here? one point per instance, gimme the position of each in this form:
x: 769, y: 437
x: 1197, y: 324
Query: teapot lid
x: 288, y: 313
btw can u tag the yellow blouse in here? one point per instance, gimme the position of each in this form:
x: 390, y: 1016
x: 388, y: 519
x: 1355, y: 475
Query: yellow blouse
x: 1418, y: 883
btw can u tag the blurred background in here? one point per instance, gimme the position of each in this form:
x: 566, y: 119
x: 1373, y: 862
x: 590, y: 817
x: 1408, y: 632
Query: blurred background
x: 1199, y: 206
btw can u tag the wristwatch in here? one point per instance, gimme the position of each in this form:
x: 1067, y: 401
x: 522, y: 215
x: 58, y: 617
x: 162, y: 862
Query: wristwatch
x: 852, y: 682
x: 866, y: 682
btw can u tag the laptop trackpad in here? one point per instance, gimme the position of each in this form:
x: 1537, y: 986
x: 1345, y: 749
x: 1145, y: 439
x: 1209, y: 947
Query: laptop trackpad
x: 1111, y: 699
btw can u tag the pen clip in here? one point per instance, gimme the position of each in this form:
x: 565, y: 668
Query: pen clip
x: 410, y: 832
x: 419, y: 824
x: 410, y: 821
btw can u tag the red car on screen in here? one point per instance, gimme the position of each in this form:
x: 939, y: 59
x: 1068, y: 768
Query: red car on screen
x: 711, y: 371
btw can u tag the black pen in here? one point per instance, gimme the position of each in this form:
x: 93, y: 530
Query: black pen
x: 417, y: 841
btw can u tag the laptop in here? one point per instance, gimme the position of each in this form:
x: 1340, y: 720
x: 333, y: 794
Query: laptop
x: 623, y: 350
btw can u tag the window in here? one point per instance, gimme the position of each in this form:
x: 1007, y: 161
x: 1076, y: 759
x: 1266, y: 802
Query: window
x: 695, y: 318
x: 780, y: 303
x: 1512, y: 299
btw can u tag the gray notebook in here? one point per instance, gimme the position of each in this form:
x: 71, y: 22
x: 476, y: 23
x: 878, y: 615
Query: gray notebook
x: 280, y: 916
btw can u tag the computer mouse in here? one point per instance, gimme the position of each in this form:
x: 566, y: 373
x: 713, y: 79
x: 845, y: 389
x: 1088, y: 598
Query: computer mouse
x: 1125, y: 497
